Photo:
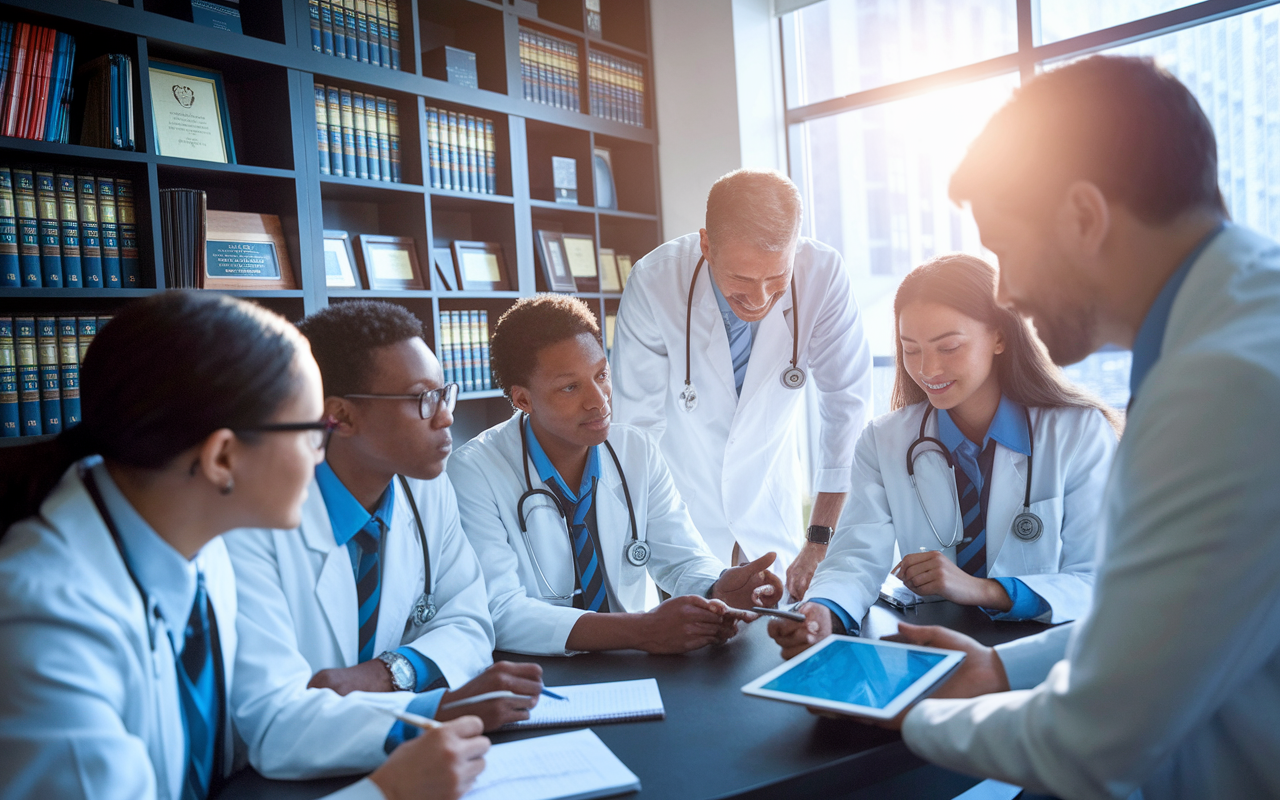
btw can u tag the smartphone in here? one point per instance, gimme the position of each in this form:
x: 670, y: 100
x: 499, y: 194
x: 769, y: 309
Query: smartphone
x: 794, y: 616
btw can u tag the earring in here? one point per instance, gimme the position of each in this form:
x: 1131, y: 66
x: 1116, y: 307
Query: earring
x: 226, y: 490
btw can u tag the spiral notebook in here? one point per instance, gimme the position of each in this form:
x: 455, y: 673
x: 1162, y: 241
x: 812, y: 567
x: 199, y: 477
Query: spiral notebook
x: 591, y: 703
x: 563, y: 766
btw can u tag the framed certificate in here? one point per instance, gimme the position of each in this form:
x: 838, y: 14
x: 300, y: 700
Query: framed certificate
x: 555, y: 265
x: 390, y: 262
x: 624, y: 268
x: 189, y: 112
x: 580, y: 250
x: 480, y: 266
x: 339, y: 261
x: 610, y: 279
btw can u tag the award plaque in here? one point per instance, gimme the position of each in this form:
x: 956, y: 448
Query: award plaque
x: 580, y: 250
x: 189, y: 110
x: 245, y: 251
x: 390, y: 262
x: 481, y: 267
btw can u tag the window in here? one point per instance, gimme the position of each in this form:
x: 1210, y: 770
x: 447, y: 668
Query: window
x: 883, y: 97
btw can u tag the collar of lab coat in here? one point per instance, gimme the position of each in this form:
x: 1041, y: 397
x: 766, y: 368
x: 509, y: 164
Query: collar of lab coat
x: 346, y: 515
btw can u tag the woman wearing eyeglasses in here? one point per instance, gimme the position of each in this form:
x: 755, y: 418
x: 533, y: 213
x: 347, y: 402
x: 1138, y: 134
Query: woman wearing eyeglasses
x: 118, y: 629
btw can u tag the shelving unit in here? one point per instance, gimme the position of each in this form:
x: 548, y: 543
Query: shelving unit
x: 269, y: 72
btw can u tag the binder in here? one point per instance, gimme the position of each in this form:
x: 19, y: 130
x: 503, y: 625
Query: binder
x: 322, y: 128
x: 109, y: 233
x: 24, y: 348
x: 361, y: 135
x: 50, y: 393
x: 69, y: 370
x: 8, y: 381
x: 69, y: 224
x: 9, y: 274
x: 24, y: 198
x: 50, y: 232
x: 90, y: 244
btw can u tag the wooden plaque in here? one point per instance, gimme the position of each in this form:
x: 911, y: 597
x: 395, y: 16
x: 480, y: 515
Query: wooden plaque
x: 245, y: 251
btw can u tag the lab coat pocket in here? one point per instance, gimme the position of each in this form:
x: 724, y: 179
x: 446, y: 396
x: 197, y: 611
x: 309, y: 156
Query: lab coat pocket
x: 1043, y: 554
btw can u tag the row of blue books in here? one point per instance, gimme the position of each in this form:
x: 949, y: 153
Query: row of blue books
x: 358, y: 134
x: 40, y: 361
x: 367, y: 31
x: 59, y: 230
x: 464, y: 349
x: 35, y: 75
x: 460, y: 152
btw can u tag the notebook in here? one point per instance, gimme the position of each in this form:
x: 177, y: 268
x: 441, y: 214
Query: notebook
x: 562, y: 766
x: 589, y: 703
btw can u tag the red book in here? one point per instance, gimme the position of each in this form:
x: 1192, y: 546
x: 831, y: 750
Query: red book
x: 40, y: 95
x: 17, y: 77
x: 34, y: 41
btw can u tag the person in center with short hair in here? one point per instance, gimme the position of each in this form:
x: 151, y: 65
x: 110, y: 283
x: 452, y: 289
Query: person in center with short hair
x: 571, y: 515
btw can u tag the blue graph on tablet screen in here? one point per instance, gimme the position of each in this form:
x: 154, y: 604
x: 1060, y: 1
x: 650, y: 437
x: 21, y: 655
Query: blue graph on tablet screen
x: 856, y: 673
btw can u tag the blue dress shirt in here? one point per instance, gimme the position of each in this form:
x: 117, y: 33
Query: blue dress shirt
x: 741, y: 335
x: 347, y: 516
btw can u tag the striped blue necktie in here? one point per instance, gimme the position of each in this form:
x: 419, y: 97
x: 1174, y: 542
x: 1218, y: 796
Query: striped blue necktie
x: 739, y: 347
x: 368, y: 584
x: 593, y: 597
x: 198, y: 695
x: 971, y: 555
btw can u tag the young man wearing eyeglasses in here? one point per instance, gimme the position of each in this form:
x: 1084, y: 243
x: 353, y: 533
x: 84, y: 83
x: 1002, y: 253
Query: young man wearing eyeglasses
x: 338, y: 618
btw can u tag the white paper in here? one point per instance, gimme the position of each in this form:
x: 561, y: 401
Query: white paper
x: 558, y: 767
x: 596, y: 702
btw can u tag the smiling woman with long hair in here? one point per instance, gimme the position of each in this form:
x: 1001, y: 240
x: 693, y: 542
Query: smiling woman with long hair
x: 983, y: 485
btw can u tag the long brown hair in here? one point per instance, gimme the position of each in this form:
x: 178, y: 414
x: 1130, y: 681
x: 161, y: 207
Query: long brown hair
x: 1026, y: 373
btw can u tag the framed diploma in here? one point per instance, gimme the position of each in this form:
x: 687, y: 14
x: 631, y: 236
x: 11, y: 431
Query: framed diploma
x: 610, y: 280
x: 624, y: 268
x: 555, y: 266
x: 390, y: 262
x: 245, y: 251
x: 189, y: 113
x: 481, y: 267
x: 580, y: 250
x: 339, y: 261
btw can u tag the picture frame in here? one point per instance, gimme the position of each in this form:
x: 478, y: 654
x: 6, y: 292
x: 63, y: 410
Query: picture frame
x: 610, y: 278
x: 481, y: 267
x: 624, y: 268
x: 245, y: 251
x: 602, y: 175
x: 340, y: 262
x: 446, y: 269
x: 555, y: 264
x: 189, y: 112
x: 580, y: 252
x: 390, y: 263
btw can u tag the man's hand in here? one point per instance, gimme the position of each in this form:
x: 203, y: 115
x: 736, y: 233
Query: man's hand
x: 370, y: 676
x: 687, y: 623
x: 442, y: 762
x: 750, y: 585
x: 932, y: 573
x: 524, y: 679
x: 796, y: 637
x: 800, y: 573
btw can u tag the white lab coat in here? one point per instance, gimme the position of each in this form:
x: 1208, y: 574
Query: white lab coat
x: 734, y: 459
x: 298, y: 616
x: 489, y: 479
x: 89, y: 708
x: 1171, y: 684
x: 1073, y: 448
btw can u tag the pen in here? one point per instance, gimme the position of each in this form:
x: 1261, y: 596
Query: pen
x: 550, y: 693
x: 416, y: 720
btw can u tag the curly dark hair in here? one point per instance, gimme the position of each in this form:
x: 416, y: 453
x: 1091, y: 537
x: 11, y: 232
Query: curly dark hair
x: 344, y: 336
x: 530, y: 325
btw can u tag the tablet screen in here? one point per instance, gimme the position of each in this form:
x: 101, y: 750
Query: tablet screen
x: 855, y: 672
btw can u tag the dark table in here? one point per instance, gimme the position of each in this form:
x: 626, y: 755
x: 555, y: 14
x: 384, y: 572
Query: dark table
x: 716, y: 742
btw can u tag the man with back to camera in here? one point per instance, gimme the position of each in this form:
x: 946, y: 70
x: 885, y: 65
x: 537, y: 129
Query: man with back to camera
x: 339, y: 615
x: 1096, y: 186
x: 571, y: 514
x: 766, y: 310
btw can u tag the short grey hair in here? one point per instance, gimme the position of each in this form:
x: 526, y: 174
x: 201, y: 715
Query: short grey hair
x: 758, y: 207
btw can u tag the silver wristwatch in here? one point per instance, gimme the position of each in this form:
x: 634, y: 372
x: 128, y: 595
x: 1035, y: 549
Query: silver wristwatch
x: 403, y: 676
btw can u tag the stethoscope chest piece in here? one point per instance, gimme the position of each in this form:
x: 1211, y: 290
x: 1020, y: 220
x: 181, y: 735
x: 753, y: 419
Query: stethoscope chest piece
x: 689, y: 398
x: 1027, y: 526
x: 793, y: 377
x: 425, y: 609
x: 638, y: 553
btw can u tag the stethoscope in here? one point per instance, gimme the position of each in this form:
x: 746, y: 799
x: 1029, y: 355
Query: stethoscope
x: 637, y: 551
x: 1027, y: 526
x: 424, y: 608
x: 154, y: 616
x: 793, y: 377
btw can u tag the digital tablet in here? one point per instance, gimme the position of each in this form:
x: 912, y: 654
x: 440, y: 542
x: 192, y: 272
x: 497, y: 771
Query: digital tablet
x: 863, y: 677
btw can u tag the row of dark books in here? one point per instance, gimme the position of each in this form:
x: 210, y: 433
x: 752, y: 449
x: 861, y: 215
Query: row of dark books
x: 615, y: 88
x: 460, y: 152
x: 367, y: 31
x: 549, y: 70
x: 40, y: 359
x: 358, y: 134
x: 108, y: 105
x: 464, y: 349
x: 35, y: 73
x: 62, y: 230
x: 183, y: 235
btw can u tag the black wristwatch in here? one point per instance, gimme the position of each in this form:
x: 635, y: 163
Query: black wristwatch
x: 820, y: 534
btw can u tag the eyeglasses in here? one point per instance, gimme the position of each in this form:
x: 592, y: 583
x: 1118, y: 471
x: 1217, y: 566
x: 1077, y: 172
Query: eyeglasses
x: 429, y: 402
x: 318, y: 433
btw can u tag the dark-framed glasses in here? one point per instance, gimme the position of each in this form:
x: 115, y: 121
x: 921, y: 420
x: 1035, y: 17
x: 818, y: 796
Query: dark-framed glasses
x: 429, y: 402
x: 318, y: 433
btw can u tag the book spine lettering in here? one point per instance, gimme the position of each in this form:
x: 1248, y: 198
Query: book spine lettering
x: 455, y: 339
x: 349, y: 9
x: 455, y: 154
x: 371, y: 139
x: 433, y: 160
x: 362, y: 31
x: 313, y: 11
x: 491, y: 158
x: 384, y: 32
x: 477, y: 367
x: 322, y: 128
x: 9, y: 425
x: 50, y: 393
x: 24, y: 198
x: 393, y: 30
x: 69, y: 370
x: 9, y: 274
x: 24, y: 346
x: 50, y: 235
x: 109, y: 233
x: 335, y: 130
x: 371, y: 12
x: 339, y: 28
x: 86, y: 329
x: 68, y: 221
x: 348, y: 135
x: 130, y: 271
x: 484, y: 351
x: 445, y: 349
x: 90, y: 245
x: 468, y: 362
x: 361, y: 135
x: 384, y: 139
x: 326, y: 28
x: 393, y: 126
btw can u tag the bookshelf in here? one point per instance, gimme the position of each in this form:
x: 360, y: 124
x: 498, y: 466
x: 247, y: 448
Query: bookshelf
x: 269, y: 73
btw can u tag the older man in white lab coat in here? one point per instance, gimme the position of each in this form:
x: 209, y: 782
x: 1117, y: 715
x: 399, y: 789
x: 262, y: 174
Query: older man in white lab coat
x: 1097, y: 188
x: 717, y: 334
